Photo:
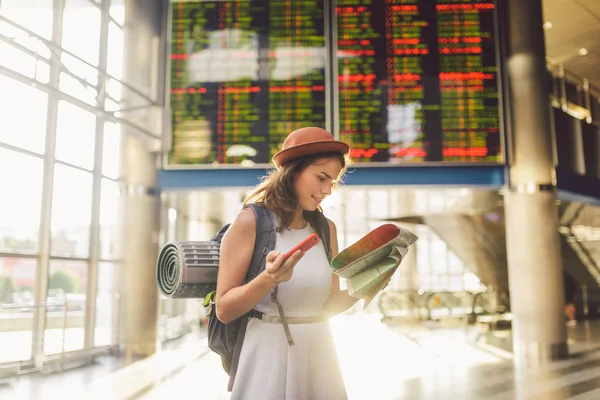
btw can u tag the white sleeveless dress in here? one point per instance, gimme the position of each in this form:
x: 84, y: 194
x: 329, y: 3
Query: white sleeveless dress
x: 269, y: 369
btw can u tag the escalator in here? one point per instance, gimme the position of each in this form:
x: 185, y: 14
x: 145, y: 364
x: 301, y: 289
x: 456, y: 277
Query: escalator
x: 479, y: 241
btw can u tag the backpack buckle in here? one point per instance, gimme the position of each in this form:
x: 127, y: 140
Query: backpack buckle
x: 265, y: 251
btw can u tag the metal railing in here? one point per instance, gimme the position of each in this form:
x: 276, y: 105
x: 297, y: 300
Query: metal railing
x: 573, y: 94
x: 436, y: 305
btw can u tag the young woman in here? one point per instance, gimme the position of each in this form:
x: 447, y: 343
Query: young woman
x: 309, y: 166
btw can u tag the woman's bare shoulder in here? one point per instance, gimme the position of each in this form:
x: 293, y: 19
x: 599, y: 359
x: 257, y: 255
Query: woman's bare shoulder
x: 244, y: 222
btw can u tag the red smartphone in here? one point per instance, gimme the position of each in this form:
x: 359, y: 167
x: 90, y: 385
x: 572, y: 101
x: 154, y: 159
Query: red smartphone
x: 304, y: 245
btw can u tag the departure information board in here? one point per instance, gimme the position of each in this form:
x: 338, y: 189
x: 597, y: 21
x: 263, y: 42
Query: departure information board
x: 418, y: 80
x: 243, y: 75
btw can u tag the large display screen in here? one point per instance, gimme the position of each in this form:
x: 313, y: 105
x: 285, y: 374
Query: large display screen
x: 418, y: 80
x: 243, y: 75
x: 412, y: 80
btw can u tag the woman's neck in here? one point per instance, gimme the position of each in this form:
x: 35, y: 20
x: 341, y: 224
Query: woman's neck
x: 298, y: 222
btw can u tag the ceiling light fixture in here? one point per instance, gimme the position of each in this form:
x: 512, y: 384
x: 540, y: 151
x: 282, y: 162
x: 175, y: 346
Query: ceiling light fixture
x: 583, y: 52
x: 547, y: 25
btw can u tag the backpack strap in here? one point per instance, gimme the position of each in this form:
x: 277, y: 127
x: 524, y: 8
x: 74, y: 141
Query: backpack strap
x: 219, y: 235
x: 324, y: 232
x: 264, y: 242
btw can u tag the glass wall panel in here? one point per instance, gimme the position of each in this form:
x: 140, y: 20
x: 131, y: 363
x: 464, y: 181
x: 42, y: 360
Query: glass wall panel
x: 71, y: 212
x: 67, y: 284
x: 114, y: 61
x: 75, y: 134
x: 37, y: 16
x: 20, y: 202
x: 78, y: 89
x: 12, y: 56
x: 105, y: 304
x: 17, y: 279
x: 109, y: 210
x: 23, y: 121
x: 82, y: 20
x: 117, y: 11
x: 111, y: 151
x: 81, y: 70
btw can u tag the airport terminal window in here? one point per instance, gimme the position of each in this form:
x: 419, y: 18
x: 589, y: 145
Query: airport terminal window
x: 17, y: 280
x: 105, y: 304
x: 14, y: 54
x: 23, y: 122
x: 109, y: 206
x: 67, y: 285
x: 355, y: 201
x: 117, y: 10
x: 71, y: 212
x: 84, y: 85
x: 81, y: 19
x: 114, y: 60
x: 20, y: 202
x: 438, y: 267
x: 23, y: 126
x: 78, y: 89
x: 37, y: 16
x: 379, y: 204
x: 75, y: 135
x: 81, y: 29
x: 111, y: 150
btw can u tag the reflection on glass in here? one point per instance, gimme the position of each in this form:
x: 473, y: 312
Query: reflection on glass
x: 37, y: 16
x: 109, y: 206
x: 17, y: 280
x: 15, y: 53
x: 23, y: 122
x: 82, y: 20
x: 25, y: 64
x: 76, y: 88
x: 71, y: 212
x: 243, y: 75
x: 67, y: 284
x: 75, y: 135
x: 20, y: 37
x: 111, y: 150
x: 87, y: 73
x: 105, y: 304
x: 21, y: 207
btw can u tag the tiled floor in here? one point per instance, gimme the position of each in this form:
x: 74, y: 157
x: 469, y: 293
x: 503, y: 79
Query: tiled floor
x: 426, y: 364
x: 404, y: 361
x: 76, y: 380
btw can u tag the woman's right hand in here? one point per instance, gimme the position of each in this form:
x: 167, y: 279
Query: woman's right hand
x: 277, y: 269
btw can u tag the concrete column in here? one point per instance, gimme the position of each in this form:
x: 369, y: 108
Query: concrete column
x: 143, y: 31
x: 533, y: 247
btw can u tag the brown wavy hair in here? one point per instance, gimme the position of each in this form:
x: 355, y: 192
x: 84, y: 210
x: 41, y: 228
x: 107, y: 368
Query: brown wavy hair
x: 277, y: 192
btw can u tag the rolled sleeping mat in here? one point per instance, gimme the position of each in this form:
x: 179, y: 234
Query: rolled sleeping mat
x: 186, y: 269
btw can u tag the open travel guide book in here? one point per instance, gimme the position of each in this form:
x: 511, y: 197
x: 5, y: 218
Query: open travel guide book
x: 368, y: 265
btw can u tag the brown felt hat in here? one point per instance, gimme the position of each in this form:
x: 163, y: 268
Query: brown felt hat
x: 308, y: 141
